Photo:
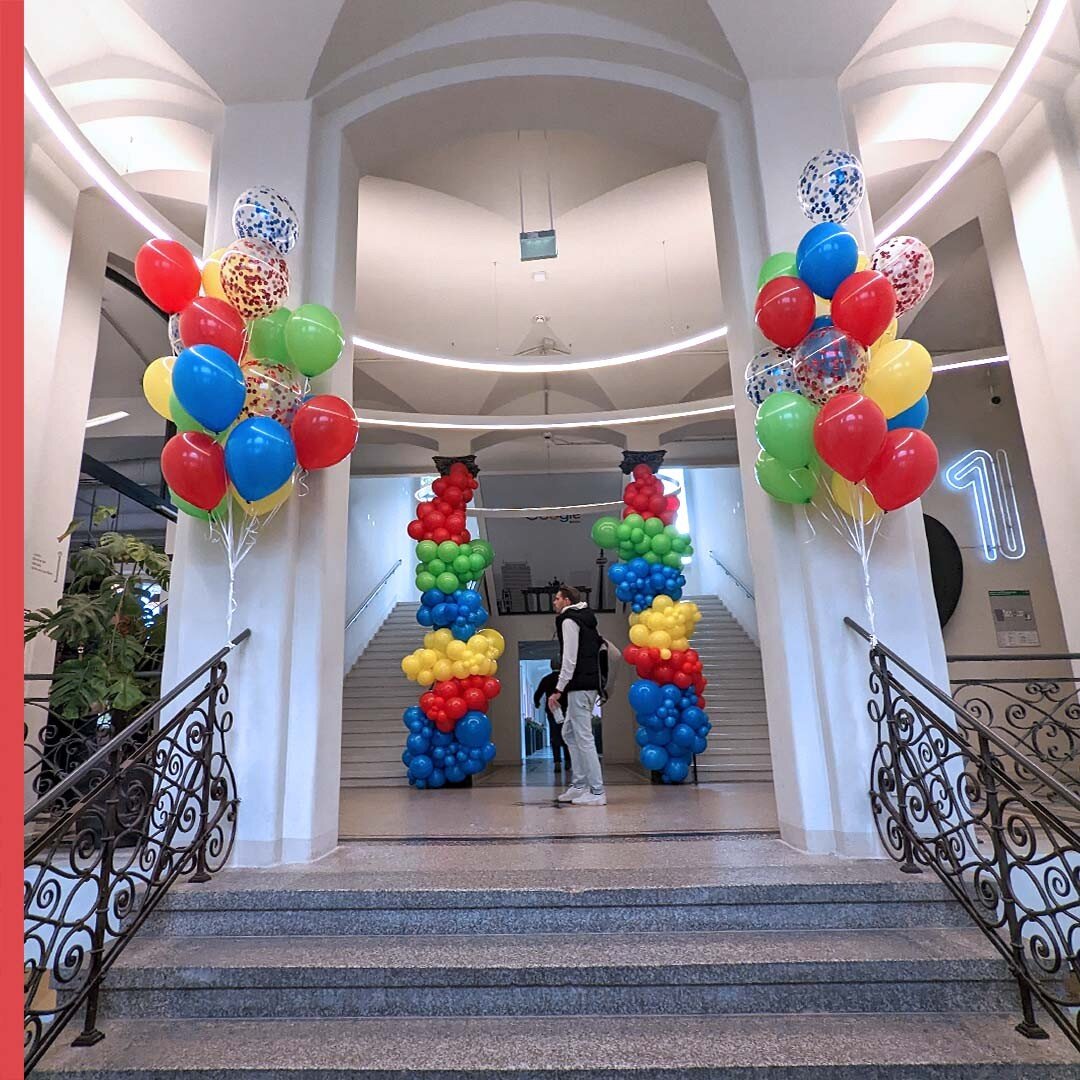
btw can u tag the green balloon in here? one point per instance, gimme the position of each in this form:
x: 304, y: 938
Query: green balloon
x: 447, y: 583
x: 635, y: 521
x: 622, y: 532
x: 484, y: 548
x: 448, y: 551
x: 197, y: 512
x: 637, y: 535
x: 436, y: 567
x: 643, y: 546
x: 673, y: 560
x: 314, y: 339
x: 462, y: 566
x: 653, y: 526
x: 784, y: 483
x: 782, y: 264
x: 785, y: 428
x: 426, y: 550
x: 477, y: 563
x: 267, y: 337
x: 425, y: 580
x: 650, y: 558
x: 605, y: 532
x: 183, y: 420
x: 661, y: 545
x: 626, y: 551
x: 679, y: 544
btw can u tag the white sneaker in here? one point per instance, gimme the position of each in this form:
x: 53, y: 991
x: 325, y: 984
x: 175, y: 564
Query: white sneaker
x: 591, y: 799
x: 572, y: 794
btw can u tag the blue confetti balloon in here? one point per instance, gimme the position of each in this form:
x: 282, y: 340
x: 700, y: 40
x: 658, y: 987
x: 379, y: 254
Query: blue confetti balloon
x: 768, y: 373
x: 265, y: 214
x: 831, y: 186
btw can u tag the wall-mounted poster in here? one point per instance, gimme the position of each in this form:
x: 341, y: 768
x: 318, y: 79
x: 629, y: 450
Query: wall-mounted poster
x: 1014, y: 618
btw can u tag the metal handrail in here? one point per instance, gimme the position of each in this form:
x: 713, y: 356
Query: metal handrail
x: 371, y: 595
x: 131, y: 729
x: 976, y: 725
x: 962, y: 658
x: 749, y: 595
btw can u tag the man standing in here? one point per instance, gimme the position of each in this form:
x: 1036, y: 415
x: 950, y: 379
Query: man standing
x: 577, y: 691
x: 544, y: 689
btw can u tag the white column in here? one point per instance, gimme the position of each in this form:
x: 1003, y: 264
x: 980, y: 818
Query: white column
x: 1035, y: 264
x: 285, y: 682
x: 816, y: 670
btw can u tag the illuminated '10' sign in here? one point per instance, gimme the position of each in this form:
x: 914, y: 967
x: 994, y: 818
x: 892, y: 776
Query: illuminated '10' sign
x: 992, y: 490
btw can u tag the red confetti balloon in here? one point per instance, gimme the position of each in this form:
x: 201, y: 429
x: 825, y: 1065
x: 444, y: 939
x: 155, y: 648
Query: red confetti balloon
x: 168, y: 273
x: 193, y: 465
x: 325, y: 431
x: 209, y: 321
x: 784, y: 310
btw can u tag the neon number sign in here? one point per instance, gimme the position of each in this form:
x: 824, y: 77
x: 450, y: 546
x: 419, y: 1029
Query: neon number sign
x: 996, y: 512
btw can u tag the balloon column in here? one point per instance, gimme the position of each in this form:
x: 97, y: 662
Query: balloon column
x: 668, y: 696
x: 236, y: 382
x: 839, y: 390
x: 449, y: 729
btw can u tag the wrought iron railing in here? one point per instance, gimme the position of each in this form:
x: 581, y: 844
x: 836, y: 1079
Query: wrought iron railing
x: 945, y: 794
x: 155, y: 803
x: 1035, y: 708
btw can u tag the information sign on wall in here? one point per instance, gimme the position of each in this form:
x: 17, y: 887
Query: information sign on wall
x: 1014, y: 618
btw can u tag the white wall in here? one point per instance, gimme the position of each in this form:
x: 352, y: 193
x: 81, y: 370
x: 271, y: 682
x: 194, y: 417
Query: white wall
x: 380, y: 509
x: 718, y: 523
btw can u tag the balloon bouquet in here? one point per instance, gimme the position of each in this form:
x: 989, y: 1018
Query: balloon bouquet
x: 449, y: 730
x: 236, y: 382
x: 839, y: 387
x: 668, y: 696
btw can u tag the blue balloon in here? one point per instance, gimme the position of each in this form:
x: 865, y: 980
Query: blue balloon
x: 442, y: 738
x: 654, y: 758
x: 683, y: 735
x: 431, y: 597
x: 420, y: 768
x: 671, y: 693
x: 489, y: 752
x: 454, y: 774
x: 661, y: 737
x: 259, y: 457
x: 416, y: 744
x: 645, y: 696
x: 473, y: 729
x: 641, y: 736
x: 437, y: 778
x: 208, y: 383
x: 616, y: 573
x: 694, y: 716
x: 913, y: 417
x: 701, y: 744
x: 821, y: 321
x: 412, y: 714
x: 677, y: 770
x: 826, y: 255
x: 423, y: 616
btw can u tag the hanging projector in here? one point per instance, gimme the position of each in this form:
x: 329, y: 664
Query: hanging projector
x: 538, y: 244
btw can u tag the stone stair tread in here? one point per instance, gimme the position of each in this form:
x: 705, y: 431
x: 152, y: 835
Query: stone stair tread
x: 807, y: 955
x: 777, y: 1047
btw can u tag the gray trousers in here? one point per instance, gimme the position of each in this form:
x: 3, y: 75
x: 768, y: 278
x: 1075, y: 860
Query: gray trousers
x: 578, y: 735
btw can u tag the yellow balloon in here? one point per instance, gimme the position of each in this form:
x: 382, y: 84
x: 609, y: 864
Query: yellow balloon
x: 496, y: 640
x: 442, y: 638
x: 639, y: 634
x: 427, y: 657
x: 461, y: 669
x: 410, y: 666
x: 889, y: 335
x: 456, y: 650
x: 211, y: 275
x: 443, y: 670
x: 822, y: 307
x: 845, y: 497
x: 157, y: 385
x: 899, y: 374
x: 267, y: 503
x: 662, y: 602
x: 426, y: 677
x: 863, y: 262
x: 680, y: 644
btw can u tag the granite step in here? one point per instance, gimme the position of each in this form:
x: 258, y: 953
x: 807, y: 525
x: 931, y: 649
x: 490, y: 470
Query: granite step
x: 528, y: 902
x: 923, y: 1046
x: 919, y: 970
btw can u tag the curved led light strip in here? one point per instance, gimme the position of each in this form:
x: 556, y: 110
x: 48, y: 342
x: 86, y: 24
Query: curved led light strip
x: 1003, y: 93
x: 503, y: 366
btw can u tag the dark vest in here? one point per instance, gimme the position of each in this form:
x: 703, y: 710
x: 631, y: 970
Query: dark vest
x: 587, y: 667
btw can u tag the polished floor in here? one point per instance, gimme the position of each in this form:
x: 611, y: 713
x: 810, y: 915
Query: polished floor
x: 515, y: 803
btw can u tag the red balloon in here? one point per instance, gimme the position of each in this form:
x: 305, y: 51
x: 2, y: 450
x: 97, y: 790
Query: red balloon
x: 209, y: 321
x: 863, y: 305
x: 423, y: 509
x: 642, y: 471
x: 456, y: 708
x: 784, y: 310
x: 193, y: 465
x: 849, y: 432
x: 435, y: 518
x: 324, y: 431
x: 904, y: 469
x: 682, y: 680
x: 475, y: 699
x: 444, y: 723
x: 439, y: 485
x: 440, y: 534
x: 416, y: 530
x: 492, y: 686
x: 447, y: 689
x: 168, y: 273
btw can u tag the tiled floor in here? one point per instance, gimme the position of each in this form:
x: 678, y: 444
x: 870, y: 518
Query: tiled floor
x: 491, y: 811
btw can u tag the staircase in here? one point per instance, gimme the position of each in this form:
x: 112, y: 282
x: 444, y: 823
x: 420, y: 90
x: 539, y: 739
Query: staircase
x: 739, y: 741
x: 374, y: 697
x: 746, y: 961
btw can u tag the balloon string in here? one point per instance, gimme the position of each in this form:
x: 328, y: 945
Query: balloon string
x: 864, y: 558
x: 301, y: 483
x: 809, y: 523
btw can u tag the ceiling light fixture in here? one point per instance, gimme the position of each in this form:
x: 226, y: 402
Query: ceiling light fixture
x: 981, y: 362
x: 543, y: 423
x: 1003, y: 93
x: 108, y: 418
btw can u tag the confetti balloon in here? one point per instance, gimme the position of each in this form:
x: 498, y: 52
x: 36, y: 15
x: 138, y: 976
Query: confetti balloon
x: 831, y: 186
x: 829, y: 362
x: 909, y: 265
x: 768, y: 373
x: 254, y: 277
x: 273, y: 390
x: 261, y: 213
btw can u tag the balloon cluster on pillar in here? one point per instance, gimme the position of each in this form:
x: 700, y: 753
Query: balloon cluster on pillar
x: 236, y: 381
x: 449, y: 729
x: 669, y: 694
x: 839, y: 389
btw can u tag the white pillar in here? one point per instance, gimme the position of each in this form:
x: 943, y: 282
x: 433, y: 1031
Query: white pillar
x: 816, y: 670
x: 1035, y: 264
x: 285, y: 682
